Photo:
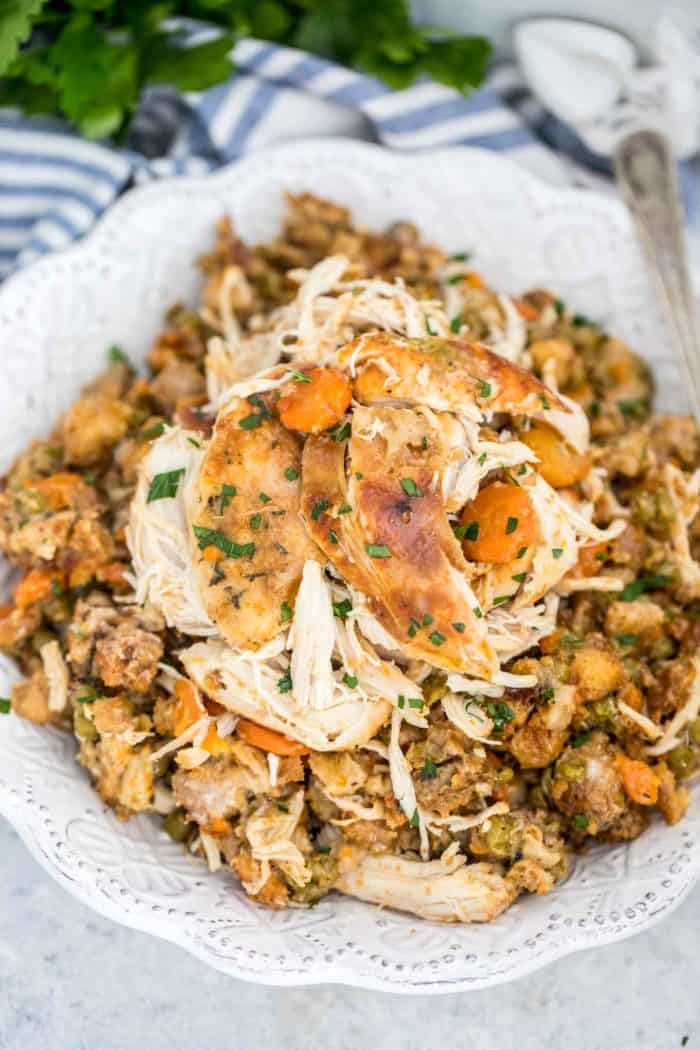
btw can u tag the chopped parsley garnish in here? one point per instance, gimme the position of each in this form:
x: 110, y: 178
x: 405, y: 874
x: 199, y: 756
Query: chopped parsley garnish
x: 436, y: 638
x: 227, y: 494
x: 378, y: 550
x: 345, y: 510
x: 414, y: 822
x: 468, y: 531
x: 484, y: 386
x: 460, y: 257
x: 429, y: 771
x: 164, y: 486
x: 358, y: 476
x: 410, y: 488
x: 255, y: 521
x: 581, y: 820
x: 416, y: 702
x: 298, y: 377
x: 548, y: 695
x: 191, y: 441
x: 459, y: 627
x: 632, y: 409
x: 427, y: 620
x: 423, y: 444
x: 455, y: 278
x: 413, y: 629
x: 319, y: 508
x: 502, y: 598
x: 342, y: 608
x: 56, y: 588
x: 482, y: 459
x: 291, y: 474
x: 500, y: 714
x: 456, y: 323
x: 644, y: 583
x: 428, y: 329
x: 214, y: 538
x: 521, y: 553
x: 557, y: 552
x: 285, y: 612
x: 477, y: 612
x: 88, y: 697
x: 5, y: 705
x: 341, y: 431
x: 264, y: 498
x: 523, y: 470
x: 284, y: 684
x: 627, y: 639
x: 511, y: 525
x: 333, y: 537
x: 545, y: 403
x: 511, y: 479
x: 153, y: 432
x: 117, y: 356
x: 252, y: 421
x: 579, y: 320
x: 281, y: 807
x: 559, y: 307
x: 519, y: 577
x: 350, y: 680
x: 581, y: 739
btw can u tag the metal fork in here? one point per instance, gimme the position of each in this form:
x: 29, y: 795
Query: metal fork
x: 646, y: 175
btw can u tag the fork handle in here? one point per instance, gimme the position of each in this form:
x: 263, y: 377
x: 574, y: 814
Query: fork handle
x: 646, y: 175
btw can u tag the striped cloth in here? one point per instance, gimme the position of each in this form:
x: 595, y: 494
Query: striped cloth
x: 54, y: 185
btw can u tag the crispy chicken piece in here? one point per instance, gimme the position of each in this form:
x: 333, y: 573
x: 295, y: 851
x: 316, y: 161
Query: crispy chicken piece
x: 457, y: 376
x: 395, y: 545
x: 246, y: 499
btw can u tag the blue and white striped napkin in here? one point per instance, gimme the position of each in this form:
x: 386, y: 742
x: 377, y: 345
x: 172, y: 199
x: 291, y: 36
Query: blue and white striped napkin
x: 54, y: 184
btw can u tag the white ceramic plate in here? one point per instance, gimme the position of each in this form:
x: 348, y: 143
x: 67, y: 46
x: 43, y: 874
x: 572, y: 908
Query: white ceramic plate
x: 57, y: 318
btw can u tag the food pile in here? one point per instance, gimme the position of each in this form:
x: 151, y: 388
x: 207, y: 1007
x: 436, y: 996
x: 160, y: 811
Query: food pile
x: 382, y: 581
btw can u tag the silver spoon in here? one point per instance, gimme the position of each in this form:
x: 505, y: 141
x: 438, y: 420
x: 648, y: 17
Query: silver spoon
x: 646, y: 175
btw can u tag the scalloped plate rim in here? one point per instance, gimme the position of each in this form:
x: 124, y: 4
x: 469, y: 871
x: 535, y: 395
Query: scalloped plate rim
x: 16, y: 810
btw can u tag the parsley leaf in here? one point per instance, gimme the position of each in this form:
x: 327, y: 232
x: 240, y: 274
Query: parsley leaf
x: 641, y: 585
x: 410, y: 488
x: 378, y: 550
x: 164, y: 486
x: 214, y: 538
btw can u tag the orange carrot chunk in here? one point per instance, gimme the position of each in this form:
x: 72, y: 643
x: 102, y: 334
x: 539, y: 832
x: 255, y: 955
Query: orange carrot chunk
x: 37, y: 585
x: 317, y: 404
x: 559, y: 464
x: 268, y: 739
x: 188, y: 707
x: 640, y: 781
x: 497, y: 523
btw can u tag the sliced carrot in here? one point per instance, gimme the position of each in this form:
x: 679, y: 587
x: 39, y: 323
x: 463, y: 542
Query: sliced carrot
x: 527, y: 310
x: 188, y: 707
x: 474, y: 279
x: 640, y: 781
x: 37, y: 585
x: 589, y: 563
x: 318, y: 404
x: 217, y: 827
x: 559, y: 464
x: 500, y: 521
x: 215, y: 744
x: 268, y: 739
x: 58, y: 490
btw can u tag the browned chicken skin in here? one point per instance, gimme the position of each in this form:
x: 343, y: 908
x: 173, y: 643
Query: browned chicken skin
x: 396, y: 549
x: 248, y: 493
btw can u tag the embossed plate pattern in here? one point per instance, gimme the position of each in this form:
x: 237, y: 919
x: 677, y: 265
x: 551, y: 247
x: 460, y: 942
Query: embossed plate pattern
x: 57, y: 317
